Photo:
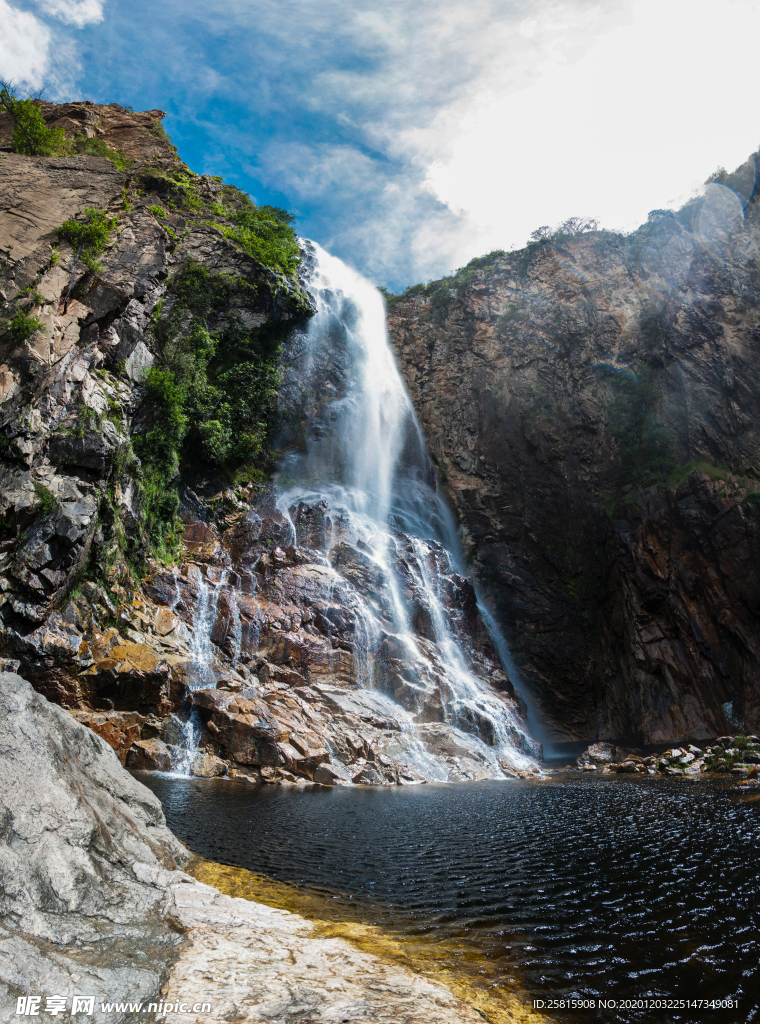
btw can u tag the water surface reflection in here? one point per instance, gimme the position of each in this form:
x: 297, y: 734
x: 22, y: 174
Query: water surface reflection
x: 620, y: 888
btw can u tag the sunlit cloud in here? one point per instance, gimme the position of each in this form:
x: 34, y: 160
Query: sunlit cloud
x: 636, y: 122
x: 24, y: 47
x: 74, y: 12
x: 410, y: 137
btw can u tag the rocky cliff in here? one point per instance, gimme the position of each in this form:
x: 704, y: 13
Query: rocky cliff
x: 592, y: 405
x: 151, y: 581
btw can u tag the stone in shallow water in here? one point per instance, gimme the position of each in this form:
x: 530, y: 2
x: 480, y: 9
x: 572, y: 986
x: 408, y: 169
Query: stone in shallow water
x: 333, y: 775
x: 151, y: 755
x: 207, y: 766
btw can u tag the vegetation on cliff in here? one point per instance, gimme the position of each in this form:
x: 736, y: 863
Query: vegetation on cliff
x: 182, y: 389
x: 213, y: 392
x: 31, y: 136
x: 90, y: 236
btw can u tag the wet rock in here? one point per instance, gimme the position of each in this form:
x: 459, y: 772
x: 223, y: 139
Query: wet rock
x: 369, y: 776
x: 671, y: 574
x: 330, y: 774
x: 165, y: 622
x: 207, y: 766
x: 150, y: 755
x: 230, y: 683
x: 597, y: 753
x: 245, y: 728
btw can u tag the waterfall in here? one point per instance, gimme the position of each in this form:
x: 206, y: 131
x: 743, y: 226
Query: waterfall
x: 201, y: 675
x: 201, y: 648
x: 366, y: 462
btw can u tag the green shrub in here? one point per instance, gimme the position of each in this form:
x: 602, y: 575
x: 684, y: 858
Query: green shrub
x: 46, y: 498
x: 89, y: 236
x: 31, y: 136
x: 266, y: 233
x: 157, y: 211
x: 682, y: 473
x: 98, y: 147
x: 212, y: 395
x: 21, y: 327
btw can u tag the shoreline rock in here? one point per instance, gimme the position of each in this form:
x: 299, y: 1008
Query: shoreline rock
x: 737, y: 755
x: 93, y: 901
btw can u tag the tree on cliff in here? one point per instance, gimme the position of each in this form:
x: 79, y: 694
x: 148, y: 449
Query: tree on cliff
x: 31, y: 136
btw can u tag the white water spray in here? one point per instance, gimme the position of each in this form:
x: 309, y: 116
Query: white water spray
x: 365, y: 459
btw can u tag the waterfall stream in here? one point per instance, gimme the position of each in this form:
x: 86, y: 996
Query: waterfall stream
x: 366, y: 462
x: 374, y: 560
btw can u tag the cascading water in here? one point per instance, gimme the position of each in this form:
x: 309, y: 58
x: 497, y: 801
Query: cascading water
x: 201, y: 648
x: 366, y: 464
x: 202, y: 655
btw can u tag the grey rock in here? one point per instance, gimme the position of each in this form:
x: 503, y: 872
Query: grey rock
x: 84, y: 859
x: 333, y: 775
x: 73, y: 518
x: 150, y: 755
x: 139, y: 363
x: 91, y: 450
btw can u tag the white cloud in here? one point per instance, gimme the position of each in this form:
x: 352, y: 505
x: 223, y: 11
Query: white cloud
x: 74, y: 12
x: 24, y: 47
x: 414, y: 136
x: 640, y: 116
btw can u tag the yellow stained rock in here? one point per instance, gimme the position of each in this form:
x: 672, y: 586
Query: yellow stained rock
x: 142, y: 657
x: 165, y: 621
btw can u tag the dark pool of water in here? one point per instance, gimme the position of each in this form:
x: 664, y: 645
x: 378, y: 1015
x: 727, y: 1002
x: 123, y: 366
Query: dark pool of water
x: 615, y: 888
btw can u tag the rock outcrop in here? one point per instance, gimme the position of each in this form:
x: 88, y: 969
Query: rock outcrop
x: 73, y: 395
x: 93, y: 904
x: 593, y: 408
x: 242, y: 653
x: 290, y: 689
x: 82, y: 865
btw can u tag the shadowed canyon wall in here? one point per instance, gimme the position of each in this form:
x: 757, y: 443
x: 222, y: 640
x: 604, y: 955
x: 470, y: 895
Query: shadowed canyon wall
x: 592, y: 405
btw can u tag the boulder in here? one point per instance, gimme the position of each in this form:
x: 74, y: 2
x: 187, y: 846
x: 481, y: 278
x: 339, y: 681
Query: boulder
x: 82, y: 864
x: 120, y: 729
x: 90, y: 449
x: 207, y: 766
x: 244, y: 727
x: 328, y: 774
x: 165, y: 621
x: 601, y: 753
x: 151, y: 755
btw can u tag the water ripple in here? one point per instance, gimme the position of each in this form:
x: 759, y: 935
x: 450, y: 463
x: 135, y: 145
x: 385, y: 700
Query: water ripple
x: 619, y: 888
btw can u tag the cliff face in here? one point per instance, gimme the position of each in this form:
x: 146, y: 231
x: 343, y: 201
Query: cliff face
x: 77, y: 339
x: 130, y: 379
x: 592, y: 405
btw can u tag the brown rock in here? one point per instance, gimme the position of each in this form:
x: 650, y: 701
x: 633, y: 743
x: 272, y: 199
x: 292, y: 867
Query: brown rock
x: 120, y: 729
x: 150, y: 755
x: 207, y: 766
x: 604, y: 590
x: 164, y: 622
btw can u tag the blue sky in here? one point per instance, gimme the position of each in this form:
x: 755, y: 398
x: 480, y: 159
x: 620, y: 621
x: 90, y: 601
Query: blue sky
x: 408, y: 137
